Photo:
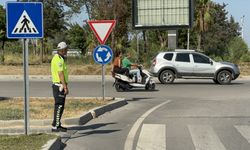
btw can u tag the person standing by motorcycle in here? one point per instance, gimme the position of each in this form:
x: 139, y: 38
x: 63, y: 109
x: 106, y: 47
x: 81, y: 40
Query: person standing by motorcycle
x: 117, y: 64
x: 126, y: 63
x: 59, y: 74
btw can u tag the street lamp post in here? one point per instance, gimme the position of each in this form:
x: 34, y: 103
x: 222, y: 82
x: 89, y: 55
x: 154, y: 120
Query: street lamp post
x: 242, y: 19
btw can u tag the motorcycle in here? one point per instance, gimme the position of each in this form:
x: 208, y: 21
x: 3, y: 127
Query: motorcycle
x: 125, y: 83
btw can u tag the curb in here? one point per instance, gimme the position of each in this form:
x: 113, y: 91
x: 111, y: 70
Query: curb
x: 54, y: 144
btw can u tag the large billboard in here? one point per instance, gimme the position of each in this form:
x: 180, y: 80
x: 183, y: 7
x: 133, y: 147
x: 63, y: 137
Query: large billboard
x: 170, y: 14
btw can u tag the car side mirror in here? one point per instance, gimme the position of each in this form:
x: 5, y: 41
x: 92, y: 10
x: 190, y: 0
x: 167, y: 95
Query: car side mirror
x: 211, y: 62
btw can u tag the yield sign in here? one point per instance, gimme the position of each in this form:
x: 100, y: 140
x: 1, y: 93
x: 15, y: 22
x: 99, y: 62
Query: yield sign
x: 102, y: 29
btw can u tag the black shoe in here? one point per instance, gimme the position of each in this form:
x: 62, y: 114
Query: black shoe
x: 59, y: 129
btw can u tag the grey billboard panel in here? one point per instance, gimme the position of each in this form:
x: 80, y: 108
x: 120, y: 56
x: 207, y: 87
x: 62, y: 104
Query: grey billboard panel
x: 162, y: 13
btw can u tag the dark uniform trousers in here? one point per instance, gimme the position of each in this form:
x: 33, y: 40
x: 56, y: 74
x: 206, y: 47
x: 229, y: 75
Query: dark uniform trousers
x: 59, y: 98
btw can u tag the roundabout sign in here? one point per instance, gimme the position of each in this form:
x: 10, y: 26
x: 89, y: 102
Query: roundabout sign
x: 102, y: 54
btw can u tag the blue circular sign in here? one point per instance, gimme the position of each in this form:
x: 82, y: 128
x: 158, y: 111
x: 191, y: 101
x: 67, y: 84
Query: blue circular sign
x: 103, y: 54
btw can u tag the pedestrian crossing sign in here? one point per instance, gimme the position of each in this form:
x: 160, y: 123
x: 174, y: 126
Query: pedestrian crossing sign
x: 24, y: 20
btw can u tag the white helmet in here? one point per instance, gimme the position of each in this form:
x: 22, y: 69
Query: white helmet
x: 61, y: 45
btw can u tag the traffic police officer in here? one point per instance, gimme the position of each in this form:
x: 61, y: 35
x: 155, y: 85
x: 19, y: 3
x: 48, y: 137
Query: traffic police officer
x: 59, y: 73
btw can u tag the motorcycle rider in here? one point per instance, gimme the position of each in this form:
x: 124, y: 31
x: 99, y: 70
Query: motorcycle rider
x: 126, y: 63
x: 117, y: 68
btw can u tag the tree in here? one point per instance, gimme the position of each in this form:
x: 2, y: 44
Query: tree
x: 203, y: 19
x: 77, y: 37
x: 3, y: 38
x: 115, y: 10
x: 220, y: 33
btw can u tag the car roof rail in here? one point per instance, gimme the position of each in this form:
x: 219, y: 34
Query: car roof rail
x: 184, y: 50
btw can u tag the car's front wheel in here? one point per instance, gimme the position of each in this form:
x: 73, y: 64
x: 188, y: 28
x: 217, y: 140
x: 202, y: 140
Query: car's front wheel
x: 224, y: 77
x: 167, y: 77
x: 215, y: 81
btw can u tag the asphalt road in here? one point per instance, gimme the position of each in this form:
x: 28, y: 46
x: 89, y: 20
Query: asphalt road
x: 186, y: 115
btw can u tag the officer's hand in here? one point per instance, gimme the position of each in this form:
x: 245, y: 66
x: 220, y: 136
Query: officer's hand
x: 66, y: 91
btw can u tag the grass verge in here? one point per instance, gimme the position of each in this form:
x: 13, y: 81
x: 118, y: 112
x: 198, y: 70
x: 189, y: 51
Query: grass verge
x: 21, y: 142
x: 44, y: 69
x: 43, y: 108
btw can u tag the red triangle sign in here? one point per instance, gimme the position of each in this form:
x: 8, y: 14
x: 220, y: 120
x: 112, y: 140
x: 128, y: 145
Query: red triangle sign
x: 102, y: 29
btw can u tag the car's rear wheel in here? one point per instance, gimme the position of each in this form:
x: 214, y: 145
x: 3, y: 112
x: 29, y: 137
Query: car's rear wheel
x: 224, y: 77
x: 167, y: 77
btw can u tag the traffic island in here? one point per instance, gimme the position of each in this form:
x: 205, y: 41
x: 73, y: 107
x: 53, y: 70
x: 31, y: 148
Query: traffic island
x: 16, y: 127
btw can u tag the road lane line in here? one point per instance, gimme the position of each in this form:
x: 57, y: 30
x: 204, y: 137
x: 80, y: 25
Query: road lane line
x: 152, y: 137
x: 204, y: 138
x: 131, y: 135
x: 244, y: 131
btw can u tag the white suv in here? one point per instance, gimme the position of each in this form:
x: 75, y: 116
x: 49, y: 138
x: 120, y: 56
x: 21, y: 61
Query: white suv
x: 190, y: 64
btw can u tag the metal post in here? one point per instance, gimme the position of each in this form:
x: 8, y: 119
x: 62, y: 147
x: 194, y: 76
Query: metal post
x: 103, y: 82
x: 172, y: 38
x: 26, y: 85
x: 137, y: 47
x: 188, y: 35
x: 242, y: 20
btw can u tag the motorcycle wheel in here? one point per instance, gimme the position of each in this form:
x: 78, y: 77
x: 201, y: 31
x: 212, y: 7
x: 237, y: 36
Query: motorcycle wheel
x: 150, y: 86
x: 118, y: 88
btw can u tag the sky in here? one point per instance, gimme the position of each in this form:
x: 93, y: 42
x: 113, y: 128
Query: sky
x: 236, y: 8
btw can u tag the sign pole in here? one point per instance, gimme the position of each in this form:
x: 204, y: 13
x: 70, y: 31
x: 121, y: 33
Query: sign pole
x: 103, y: 82
x: 26, y: 85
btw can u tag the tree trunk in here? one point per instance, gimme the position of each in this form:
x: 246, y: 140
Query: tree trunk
x: 199, y: 42
x: 42, y: 50
x: 145, y: 41
x: 2, y: 52
x: 163, y: 41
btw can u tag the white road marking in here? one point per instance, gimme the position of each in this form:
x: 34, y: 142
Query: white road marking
x: 152, y: 137
x: 204, y: 138
x: 131, y: 135
x: 244, y: 131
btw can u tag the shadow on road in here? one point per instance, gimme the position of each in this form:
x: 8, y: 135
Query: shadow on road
x: 4, y: 98
x: 139, y: 98
x: 197, y: 83
x: 93, y: 126
x: 75, y: 132
x: 140, y: 90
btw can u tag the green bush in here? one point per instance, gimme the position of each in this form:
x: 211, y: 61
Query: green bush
x: 237, y: 48
x: 246, y: 57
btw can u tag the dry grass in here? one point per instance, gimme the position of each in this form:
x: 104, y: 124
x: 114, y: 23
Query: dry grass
x: 45, y: 69
x: 44, y: 108
x: 80, y: 69
x: 245, y: 69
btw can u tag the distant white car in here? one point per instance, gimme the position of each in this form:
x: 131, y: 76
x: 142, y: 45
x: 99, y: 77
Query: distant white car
x: 168, y: 66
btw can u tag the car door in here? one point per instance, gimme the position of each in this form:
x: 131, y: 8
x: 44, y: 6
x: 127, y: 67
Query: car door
x: 203, y: 65
x: 183, y: 64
